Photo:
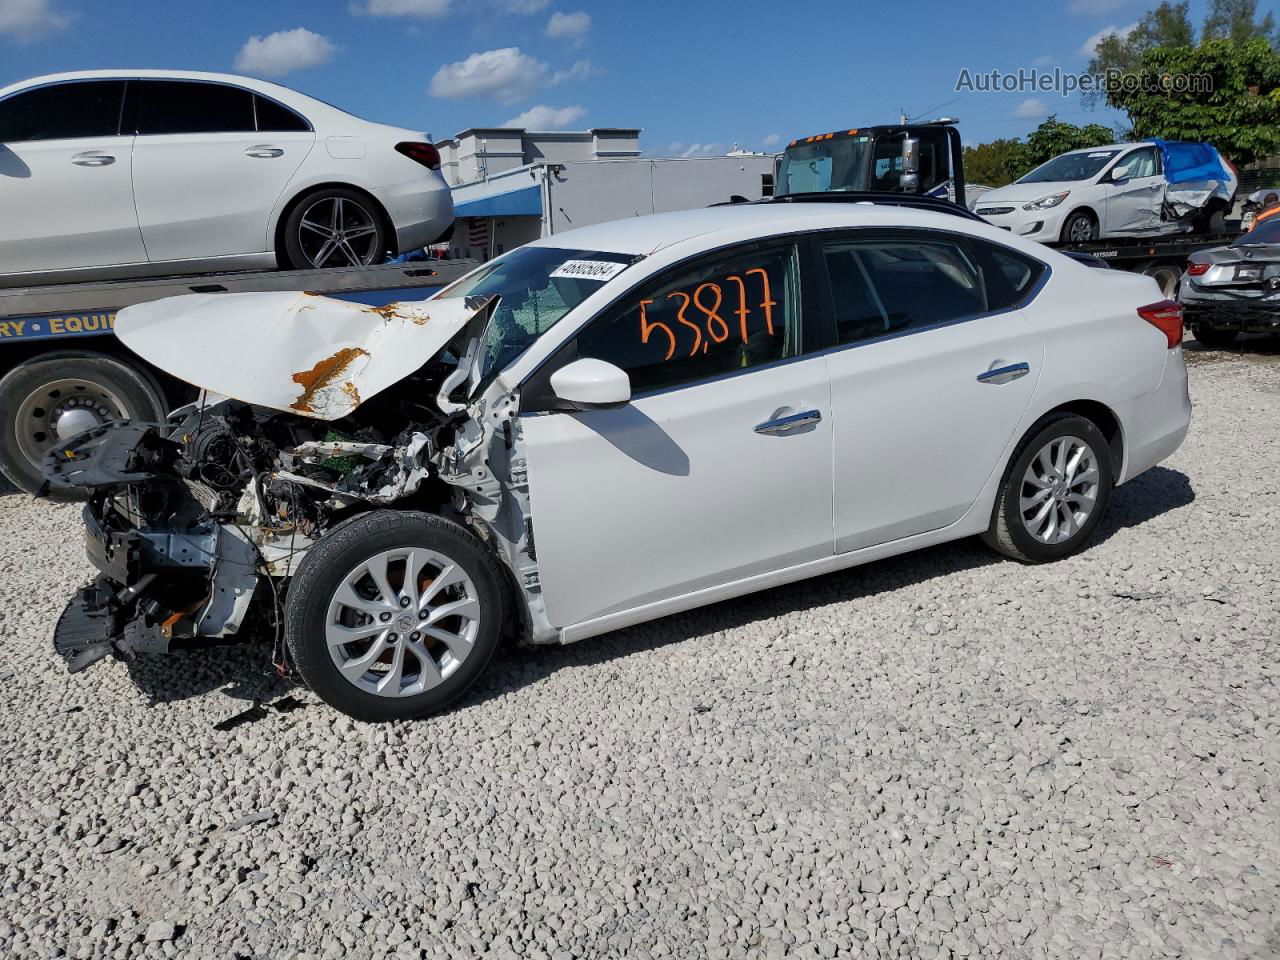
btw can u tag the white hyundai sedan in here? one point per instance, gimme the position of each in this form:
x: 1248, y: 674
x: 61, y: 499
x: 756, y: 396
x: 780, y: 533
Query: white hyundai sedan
x: 607, y: 426
x: 125, y: 173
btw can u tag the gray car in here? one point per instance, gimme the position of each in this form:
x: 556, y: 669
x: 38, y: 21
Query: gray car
x: 1234, y: 289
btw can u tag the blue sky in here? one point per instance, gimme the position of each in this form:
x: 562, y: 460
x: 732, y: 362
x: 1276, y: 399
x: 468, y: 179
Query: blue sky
x: 697, y: 75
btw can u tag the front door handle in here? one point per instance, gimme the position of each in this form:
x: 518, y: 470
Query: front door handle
x: 264, y: 152
x: 791, y: 422
x: 93, y: 159
x: 1005, y: 374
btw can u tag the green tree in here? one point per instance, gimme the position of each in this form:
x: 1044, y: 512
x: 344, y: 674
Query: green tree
x: 993, y: 163
x: 1237, y: 21
x: 1168, y: 25
x: 1053, y: 137
x: 1239, y: 112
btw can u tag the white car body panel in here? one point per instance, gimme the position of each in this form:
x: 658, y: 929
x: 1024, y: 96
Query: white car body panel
x: 910, y: 411
x: 201, y: 203
x: 202, y: 194
x: 678, y: 491
x: 93, y: 219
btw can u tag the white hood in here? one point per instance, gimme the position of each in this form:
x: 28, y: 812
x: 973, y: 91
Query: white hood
x: 295, y: 352
x: 1026, y: 192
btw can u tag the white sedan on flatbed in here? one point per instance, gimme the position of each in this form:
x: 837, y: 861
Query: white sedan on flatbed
x: 612, y: 425
x: 107, y: 174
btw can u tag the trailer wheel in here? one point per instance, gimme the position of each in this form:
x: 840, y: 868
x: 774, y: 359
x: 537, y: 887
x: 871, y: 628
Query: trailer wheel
x: 58, y: 396
x: 1168, y: 276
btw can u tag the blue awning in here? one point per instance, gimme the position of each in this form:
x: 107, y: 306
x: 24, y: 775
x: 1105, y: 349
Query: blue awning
x: 526, y: 202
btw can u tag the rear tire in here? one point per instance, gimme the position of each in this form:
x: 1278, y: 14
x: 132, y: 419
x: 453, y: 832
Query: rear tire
x: 1167, y: 276
x: 1213, y: 337
x: 45, y: 401
x: 374, y: 651
x: 1021, y: 523
x: 333, y: 227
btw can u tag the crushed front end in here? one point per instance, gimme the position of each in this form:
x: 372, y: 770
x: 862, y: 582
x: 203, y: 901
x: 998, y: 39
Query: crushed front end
x: 195, y: 525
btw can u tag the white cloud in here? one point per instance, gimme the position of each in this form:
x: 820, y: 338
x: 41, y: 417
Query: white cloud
x: 284, y: 52
x: 772, y: 140
x: 505, y: 75
x: 28, y: 20
x: 702, y: 150
x: 1090, y: 45
x: 569, y: 26
x: 547, y: 118
x: 1045, y: 61
x: 580, y: 70
x: 1031, y: 108
x: 1093, y: 8
x: 428, y: 9
x: 523, y: 6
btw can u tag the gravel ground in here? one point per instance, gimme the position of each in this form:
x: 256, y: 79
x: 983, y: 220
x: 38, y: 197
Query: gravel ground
x: 941, y: 755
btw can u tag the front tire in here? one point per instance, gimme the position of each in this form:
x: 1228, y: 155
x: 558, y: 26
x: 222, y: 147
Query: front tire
x: 1054, y: 492
x: 394, y: 615
x: 1080, y: 227
x: 334, y: 227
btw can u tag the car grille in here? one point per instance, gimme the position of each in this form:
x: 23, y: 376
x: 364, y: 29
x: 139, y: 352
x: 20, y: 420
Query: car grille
x: 994, y: 211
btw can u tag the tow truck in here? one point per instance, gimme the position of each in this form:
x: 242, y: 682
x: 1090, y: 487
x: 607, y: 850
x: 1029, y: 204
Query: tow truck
x: 927, y: 159
x: 62, y: 371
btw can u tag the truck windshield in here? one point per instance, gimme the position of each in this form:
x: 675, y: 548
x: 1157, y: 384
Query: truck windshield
x: 1070, y: 167
x: 536, y: 287
x: 837, y: 164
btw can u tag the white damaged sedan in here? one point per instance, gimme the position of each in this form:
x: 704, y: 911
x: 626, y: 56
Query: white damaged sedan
x: 608, y: 426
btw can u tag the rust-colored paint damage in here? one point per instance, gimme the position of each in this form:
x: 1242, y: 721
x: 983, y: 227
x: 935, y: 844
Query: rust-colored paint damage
x: 324, y: 374
x: 391, y: 311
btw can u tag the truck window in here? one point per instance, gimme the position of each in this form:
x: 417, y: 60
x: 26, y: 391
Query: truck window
x: 64, y: 111
x: 836, y: 164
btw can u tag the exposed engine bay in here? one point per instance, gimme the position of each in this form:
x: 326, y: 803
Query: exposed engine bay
x: 198, y: 523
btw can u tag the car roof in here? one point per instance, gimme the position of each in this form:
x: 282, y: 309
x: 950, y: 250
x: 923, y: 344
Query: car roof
x: 1112, y: 146
x: 286, y: 95
x: 745, y: 221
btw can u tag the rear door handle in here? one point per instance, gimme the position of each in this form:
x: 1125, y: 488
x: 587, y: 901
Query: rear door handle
x: 1005, y: 374
x: 93, y: 159
x: 264, y: 152
x: 791, y: 422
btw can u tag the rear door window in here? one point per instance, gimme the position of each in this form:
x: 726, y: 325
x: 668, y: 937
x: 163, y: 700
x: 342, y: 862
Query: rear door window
x: 183, y: 106
x: 277, y: 118
x: 889, y: 285
x: 64, y: 111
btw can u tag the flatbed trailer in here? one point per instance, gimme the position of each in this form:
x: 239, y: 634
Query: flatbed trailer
x: 1162, y: 258
x: 62, y: 370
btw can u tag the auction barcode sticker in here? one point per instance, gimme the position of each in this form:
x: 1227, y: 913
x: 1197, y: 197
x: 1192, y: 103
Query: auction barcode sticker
x: 601, y: 270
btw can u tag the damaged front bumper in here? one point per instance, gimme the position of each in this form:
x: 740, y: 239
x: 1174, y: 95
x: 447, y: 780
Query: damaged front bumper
x: 159, y: 586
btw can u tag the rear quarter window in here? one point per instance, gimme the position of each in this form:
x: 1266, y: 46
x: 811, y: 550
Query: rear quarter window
x: 1011, y: 278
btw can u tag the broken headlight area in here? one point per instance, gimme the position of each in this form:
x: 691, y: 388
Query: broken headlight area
x: 196, y: 525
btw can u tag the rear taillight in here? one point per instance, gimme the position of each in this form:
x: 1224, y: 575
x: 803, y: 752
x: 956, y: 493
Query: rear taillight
x: 1166, y: 316
x: 423, y: 153
x: 1196, y: 269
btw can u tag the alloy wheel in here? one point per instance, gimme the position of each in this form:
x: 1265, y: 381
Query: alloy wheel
x: 338, y: 232
x: 1081, y: 229
x: 1059, y: 490
x: 402, y: 622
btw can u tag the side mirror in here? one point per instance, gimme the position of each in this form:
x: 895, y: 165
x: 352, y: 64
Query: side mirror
x: 1119, y: 173
x: 589, y: 383
x: 910, y: 180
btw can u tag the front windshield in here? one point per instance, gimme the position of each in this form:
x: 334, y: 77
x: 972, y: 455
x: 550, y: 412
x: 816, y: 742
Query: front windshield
x: 1070, y: 166
x: 838, y: 164
x: 1268, y: 231
x: 536, y: 286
